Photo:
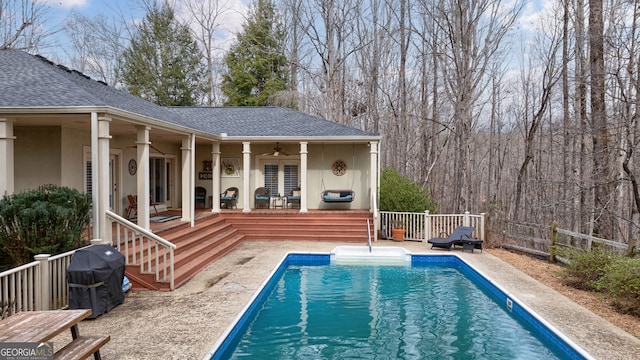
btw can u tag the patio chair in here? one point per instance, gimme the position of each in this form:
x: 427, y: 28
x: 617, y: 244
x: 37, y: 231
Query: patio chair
x: 201, y: 196
x: 460, y: 236
x: 262, y: 197
x: 229, y: 198
x: 293, y: 199
x: 132, y: 207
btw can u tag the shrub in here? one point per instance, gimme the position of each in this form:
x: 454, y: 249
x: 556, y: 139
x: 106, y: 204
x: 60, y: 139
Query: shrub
x: 48, y: 220
x: 586, y: 268
x: 399, y: 193
x: 622, y: 282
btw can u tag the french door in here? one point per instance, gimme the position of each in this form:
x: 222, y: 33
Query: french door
x: 280, y: 176
x: 161, y: 180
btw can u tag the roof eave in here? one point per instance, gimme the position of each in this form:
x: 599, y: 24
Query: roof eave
x: 335, y: 139
x: 122, y: 115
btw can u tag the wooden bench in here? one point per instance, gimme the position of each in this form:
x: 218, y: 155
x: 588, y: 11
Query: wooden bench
x: 82, y: 347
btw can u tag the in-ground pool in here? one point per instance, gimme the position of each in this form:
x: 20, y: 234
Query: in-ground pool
x: 436, y: 306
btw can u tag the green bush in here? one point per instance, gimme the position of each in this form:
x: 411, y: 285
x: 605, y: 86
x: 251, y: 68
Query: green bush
x: 48, y: 220
x: 399, y: 193
x: 586, y: 268
x: 622, y: 282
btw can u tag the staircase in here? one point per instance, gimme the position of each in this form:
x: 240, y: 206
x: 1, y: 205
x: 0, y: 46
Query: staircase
x: 196, y: 248
x: 216, y: 235
x: 326, y: 225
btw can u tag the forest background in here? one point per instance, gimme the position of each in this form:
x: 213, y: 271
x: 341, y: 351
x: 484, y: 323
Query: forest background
x: 528, y: 119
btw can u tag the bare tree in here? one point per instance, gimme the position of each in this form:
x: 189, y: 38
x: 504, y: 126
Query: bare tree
x: 475, y: 30
x: 97, y: 45
x: 599, y: 135
x: 21, y: 25
x: 207, y: 15
x: 546, y: 49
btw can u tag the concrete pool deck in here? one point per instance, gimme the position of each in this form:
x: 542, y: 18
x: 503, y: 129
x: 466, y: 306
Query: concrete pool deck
x: 186, y: 323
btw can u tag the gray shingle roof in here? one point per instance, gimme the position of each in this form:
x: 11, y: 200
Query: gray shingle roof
x: 263, y: 121
x: 31, y: 81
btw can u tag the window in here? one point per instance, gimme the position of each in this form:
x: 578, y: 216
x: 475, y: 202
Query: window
x: 271, y: 178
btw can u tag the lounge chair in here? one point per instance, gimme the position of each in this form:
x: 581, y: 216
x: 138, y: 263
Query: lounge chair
x: 229, y: 198
x: 460, y: 236
x: 262, y: 197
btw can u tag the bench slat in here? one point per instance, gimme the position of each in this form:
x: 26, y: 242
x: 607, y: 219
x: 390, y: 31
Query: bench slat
x: 81, y: 348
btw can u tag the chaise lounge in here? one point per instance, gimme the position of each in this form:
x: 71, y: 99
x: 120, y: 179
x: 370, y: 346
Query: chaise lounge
x: 461, y: 236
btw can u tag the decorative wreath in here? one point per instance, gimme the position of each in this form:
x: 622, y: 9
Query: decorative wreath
x: 228, y: 168
x: 339, y: 168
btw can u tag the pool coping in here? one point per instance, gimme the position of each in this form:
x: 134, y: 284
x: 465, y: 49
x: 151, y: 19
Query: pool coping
x: 511, y: 301
x: 186, y: 322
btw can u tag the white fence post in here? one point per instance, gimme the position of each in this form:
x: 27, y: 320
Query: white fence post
x: 427, y: 226
x: 42, y: 284
x: 482, y: 233
x: 465, y: 219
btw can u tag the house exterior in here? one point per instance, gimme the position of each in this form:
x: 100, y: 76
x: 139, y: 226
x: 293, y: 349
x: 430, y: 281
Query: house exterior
x: 60, y: 127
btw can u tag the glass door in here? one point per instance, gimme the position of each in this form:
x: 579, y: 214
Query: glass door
x: 157, y: 180
x: 281, y: 176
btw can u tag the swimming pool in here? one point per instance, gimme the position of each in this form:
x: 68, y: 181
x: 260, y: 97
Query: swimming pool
x: 387, y: 312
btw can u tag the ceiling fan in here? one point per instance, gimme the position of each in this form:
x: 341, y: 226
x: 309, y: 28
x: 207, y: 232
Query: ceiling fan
x: 277, y: 150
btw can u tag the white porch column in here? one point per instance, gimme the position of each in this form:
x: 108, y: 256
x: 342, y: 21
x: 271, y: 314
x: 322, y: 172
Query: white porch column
x: 103, y: 190
x: 246, y: 172
x: 142, y: 176
x: 7, y: 169
x: 303, y: 176
x: 187, y: 180
x: 373, y: 176
x: 95, y: 199
x: 215, y: 152
x: 373, y: 197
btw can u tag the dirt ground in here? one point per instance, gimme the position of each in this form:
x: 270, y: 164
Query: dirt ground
x: 549, y: 274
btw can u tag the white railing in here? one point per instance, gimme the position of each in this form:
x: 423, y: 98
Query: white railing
x: 38, y: 285
x: 153, y: 254
x: 424, y: 226
x: 369, y: 234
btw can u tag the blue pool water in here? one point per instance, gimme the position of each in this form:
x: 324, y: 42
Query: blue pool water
x: 437, y: 308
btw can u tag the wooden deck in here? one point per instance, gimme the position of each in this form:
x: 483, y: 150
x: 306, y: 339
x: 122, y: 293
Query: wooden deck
x: 216, y: 234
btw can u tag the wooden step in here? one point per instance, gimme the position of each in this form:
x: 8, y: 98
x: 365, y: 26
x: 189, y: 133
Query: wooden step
x: 343, y: 227
x: 196, y: 248
x: 218, y: 234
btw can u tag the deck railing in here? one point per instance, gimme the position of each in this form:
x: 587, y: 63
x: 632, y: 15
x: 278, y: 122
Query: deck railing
x: 153, y: 254
x: 42, y: 284
x: 424, y: 226
x: 38, y: 285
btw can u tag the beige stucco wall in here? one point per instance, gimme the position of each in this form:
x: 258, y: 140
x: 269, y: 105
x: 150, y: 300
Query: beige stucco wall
x: 56, y: 155
x: 38, y: 156
x: 320, y: 159
x: 71, y: 161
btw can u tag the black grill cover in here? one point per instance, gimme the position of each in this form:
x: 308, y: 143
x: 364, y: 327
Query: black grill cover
x: 95, y: 279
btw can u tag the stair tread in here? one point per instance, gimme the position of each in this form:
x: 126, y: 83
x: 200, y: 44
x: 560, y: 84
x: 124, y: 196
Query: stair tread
x: 197, y: 247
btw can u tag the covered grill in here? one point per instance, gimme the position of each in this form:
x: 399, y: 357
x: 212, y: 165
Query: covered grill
x: 95, y: 277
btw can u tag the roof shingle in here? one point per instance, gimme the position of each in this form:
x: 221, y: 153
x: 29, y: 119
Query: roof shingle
x: 32, y: 81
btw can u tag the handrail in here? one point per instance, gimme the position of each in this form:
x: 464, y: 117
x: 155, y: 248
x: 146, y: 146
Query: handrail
x: 369, y: 234
x: 124, y: 222
x: 141, y: 249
